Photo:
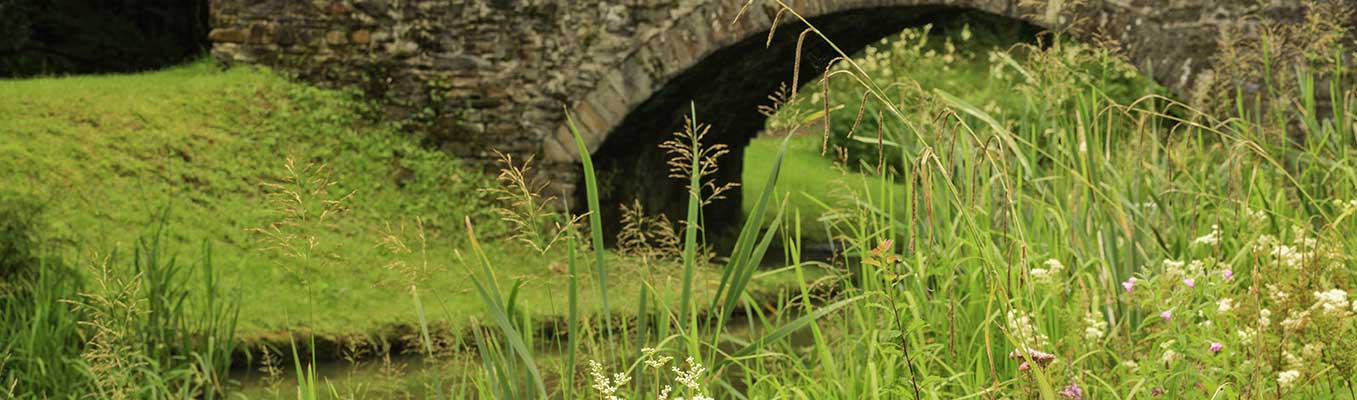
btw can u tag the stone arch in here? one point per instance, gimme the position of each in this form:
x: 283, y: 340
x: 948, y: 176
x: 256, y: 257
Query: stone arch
x: 726, y: 70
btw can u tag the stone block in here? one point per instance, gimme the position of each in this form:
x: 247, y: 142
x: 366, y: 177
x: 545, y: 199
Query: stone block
x: 228, y: 35
x: 554, y: 150
x: 336, y: 38
x: 362, y: 37
x: 339, y: 8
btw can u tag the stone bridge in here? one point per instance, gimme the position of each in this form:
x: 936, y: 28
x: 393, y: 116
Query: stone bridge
x: 483, y: 75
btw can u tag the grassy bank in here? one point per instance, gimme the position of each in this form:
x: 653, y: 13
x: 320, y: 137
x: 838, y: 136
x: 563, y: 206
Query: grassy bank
x: 224, y: 151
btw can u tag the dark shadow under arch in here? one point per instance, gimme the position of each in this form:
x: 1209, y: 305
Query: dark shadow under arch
x: 726, y: 88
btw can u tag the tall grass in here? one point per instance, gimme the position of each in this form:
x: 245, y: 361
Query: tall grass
x: 1078, y: 246
x: 141, y: 327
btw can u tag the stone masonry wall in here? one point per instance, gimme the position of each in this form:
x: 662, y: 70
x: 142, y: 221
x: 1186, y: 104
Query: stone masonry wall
x: 485, y: 75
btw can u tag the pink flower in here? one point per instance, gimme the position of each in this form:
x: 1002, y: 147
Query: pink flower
x: 1166, y: 315
x: 1192, y: 283
x: 1042, y: 358
x: 1129, y: 284
x: 1215, y: 347
x: 1228, y: 274
x: 1073, y: 391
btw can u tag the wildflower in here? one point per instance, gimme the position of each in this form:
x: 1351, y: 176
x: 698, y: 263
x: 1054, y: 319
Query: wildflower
x: 1312, y: 350
x: 1072, y: 392
x: 1276, y: 293
x: 1332, y: 301
x: 1264, y: 317
x: 1129, y: 284
x: 1096, y: 328
x: 664, y: 393
x: 1225, y: 305
x: 1292, y: 361
x: 1216, y: 346
x: 1228, y: 273
x: 1287, y: 256
x: 1130, y: 364
x: 1211, y: 239
x: 1286, y: 378
x: 1166, y: 315
x: 1020, y: 324
x: 1170, y: 356
x: 652, y: 361
x: 606, y: 387
x: 690, y: 377
x: 1156, y: 392
x: 1053, y: 268
x: 1191, y: 283
x: 1196, y: 267
x: 1174, y: 266
x: 1296, y: 321
x: 1041, y: 358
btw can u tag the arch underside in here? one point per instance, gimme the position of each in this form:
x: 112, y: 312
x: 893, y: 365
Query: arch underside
x: 725, y: 88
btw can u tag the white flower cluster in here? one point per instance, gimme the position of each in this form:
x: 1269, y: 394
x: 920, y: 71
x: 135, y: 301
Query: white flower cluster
x: 1169, y: 355
x: 1225, y: 305
x: 1174, y: 267
x: 607, y: 387
x: 1349, y: 206
x: 1276, y: 293
x: 1096, y: 327
x: 1256, y: 217
x: 1287, y: 378
x: 1184, y: 269
x: 1049, y: 273
x: 1300, y: 252
x: 1020, y: 325
x: 1332, y: 301
x: 654, y: 362
x: 1210, y: 239
x: 1296, y: 321
x: 690, y: 379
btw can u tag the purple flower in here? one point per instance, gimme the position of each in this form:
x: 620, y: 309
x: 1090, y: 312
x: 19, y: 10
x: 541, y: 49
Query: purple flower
x: 1215, y: 347
x: 1228, y: 274
x: 1192, y: 283
x: 1166, y: 315
x: 1129, y: 284
x: 1072, y: 392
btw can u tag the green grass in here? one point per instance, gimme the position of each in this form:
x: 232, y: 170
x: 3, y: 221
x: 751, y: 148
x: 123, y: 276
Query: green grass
x: 813, y: 185
x: 106, y: 153
x: 1077, y: 243
x: 974, y: 57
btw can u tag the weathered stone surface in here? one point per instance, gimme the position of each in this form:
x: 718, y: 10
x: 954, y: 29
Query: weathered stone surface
x: 228, y: 35
x: 362, y: 37
x: 506, y: 71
